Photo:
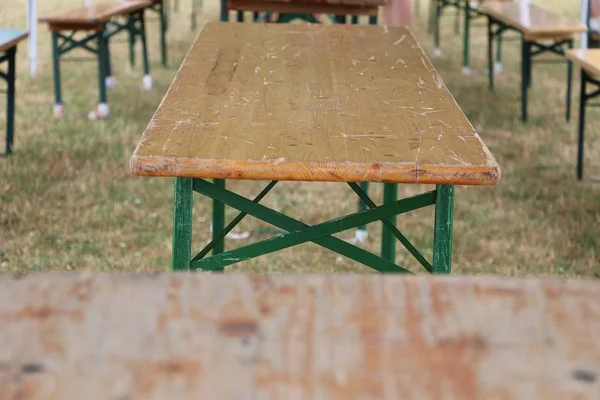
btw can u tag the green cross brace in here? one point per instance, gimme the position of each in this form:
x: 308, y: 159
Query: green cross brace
x: 298, y: 232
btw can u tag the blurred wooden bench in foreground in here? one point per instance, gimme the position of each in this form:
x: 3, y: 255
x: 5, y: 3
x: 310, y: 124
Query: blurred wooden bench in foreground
x: 201, y: 336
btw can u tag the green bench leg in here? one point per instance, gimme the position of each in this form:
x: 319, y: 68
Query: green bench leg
x: 131, y: 34
x: 466, y: 34
x: 581, y: 125
x: 388, y: 241
x: 10, y: 101
x: 102, y: 63
x: 224, y: 11
x: 147, y: 78
x: 354, y: 19
x: 361, y: 233
x: 182, y: 224
x: 218, y: 220
x: 525, y: 76
x: 442, y: 234
x: 58, y: 104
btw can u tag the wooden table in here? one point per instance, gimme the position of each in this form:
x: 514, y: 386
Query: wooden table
x: 541, y: 31
x: 289, y: 10
x: 300, y: 102
x: 98, y: 23
x: 9, y: 39
x: 208, y: 336
x: 589, y: 63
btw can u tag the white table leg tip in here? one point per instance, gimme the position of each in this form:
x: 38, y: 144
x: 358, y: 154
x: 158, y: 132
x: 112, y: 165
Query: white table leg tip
x: 147, y: 82
x: 360, y: 235
x: 58, y: 111
x: 101, y: 112
x: 467, y: 71
x: 498, y: 69
x: 110, y: 82
x: 437, y: 52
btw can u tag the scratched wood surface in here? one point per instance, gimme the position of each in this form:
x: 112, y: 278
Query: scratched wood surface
x: 301, y: 8
x: 10, y: 38
x: 589, y: 59
x: 202, y: 336
x: 313, y: 103
x: 96, y: 13
x: 533, y: 21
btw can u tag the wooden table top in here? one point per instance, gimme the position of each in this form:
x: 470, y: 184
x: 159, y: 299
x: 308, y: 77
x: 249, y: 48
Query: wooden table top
x: 96, y: 13
x: 202, y: 336
x: 589, y: 59
x: 304, y: 7
x: 10, y: 37
x: 532, y: 20
x: 311, y: 103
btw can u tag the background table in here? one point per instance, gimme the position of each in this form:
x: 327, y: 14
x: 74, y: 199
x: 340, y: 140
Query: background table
x: 9, y: 39
x: 201, y: 336
x: 541, y: 31
x: 589, y: 63
x: 337, y: 103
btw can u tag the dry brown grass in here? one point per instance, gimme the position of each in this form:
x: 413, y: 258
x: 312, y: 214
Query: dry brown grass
x: 67, y: 200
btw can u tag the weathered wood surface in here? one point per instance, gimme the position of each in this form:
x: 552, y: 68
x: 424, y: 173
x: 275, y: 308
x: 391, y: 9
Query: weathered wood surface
x: 533, y: 21
x: 301, y: 8
x: 10, y: 38
x: 201, y: 336
x: 96, y: 13
x: 589, y: 59
x: 313, y: 103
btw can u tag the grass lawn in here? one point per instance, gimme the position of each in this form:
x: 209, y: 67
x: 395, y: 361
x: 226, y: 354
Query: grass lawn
x: 69, y: 202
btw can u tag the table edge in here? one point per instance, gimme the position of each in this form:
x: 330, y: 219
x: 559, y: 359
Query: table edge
x: 485, y: 175
x: 12, y: 43
x: 574, y: 58
x: 136, y: 5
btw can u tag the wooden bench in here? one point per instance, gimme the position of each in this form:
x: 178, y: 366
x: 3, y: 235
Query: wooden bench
x: 98, y: 23
x: 303, y: 9
x: 9, y: 39
x: 589, y: 63
x: 541, y: 31
x: 209, y: 336
x: 301, y: 102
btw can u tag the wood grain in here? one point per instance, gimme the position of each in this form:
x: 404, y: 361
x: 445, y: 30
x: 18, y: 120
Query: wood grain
x: 301, y: 8
x: 10, y: 38
x: 96, y: 13
x: 536, y: 23
x: 588, y: 59
x: 201, y: 336
x: 311, y: 103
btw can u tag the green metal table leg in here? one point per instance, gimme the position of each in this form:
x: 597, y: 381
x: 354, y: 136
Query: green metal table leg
x: 144, y: 47
x: 182, y: 224
x: 466, y: 34
x: 361, y: 235
x: 10, y: 101
x: 373, y: 20
x: 388, y: 241
x: 569, y: 83
x: 131, y: 37
x: 163, y: 34
x: 436, y: 28
x: 56, y: 68
x: 499, y: 48
x: 240, y: 16
x: 581, y: 126
x: 525, y: 76
x: 107, y: 66
x: 102, y: 55
x: 218, y: 220
x: 224, y: 11
x: 491, y: 53
x: 354, y: 19
x: 442, y: 234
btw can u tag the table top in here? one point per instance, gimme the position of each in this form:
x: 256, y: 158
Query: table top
x: 365, y: 3
x: 589, y: 59
x: 202, y: 336
x: 10, y: 37
x: 532, y: 19
x: 311, y: 103
x: 96, y: 13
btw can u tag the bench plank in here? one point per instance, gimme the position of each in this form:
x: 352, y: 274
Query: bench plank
x: 312, y: 103
x: 537, y: 23
x: 10, y: 38
x: 200, y: 336
x: 301, y: 8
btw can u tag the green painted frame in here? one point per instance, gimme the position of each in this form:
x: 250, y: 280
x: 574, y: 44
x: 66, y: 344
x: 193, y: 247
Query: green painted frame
x: 297, y: 232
